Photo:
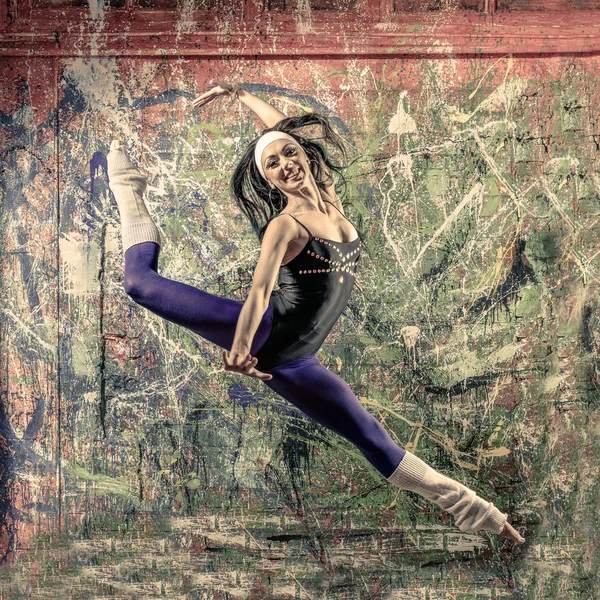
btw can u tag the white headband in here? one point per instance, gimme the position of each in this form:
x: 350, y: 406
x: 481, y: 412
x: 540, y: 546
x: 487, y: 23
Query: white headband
x: 263, y: 142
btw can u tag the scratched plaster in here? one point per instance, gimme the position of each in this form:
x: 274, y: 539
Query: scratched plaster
x: 471, y: 335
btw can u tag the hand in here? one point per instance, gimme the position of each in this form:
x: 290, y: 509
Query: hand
x: 245, y: 366
x: 221, y: 88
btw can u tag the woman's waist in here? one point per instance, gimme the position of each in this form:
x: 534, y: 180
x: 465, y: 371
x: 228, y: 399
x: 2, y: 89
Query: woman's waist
x: 288, y: 300
x: 325, y: 292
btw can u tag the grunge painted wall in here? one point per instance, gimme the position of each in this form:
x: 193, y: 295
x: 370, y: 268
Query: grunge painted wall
x: 133, y: 466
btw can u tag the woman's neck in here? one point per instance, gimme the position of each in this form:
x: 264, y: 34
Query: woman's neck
x: 308, y: 198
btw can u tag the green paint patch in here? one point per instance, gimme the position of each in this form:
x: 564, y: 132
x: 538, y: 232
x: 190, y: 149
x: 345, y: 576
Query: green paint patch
x: 568, y: 328
x: 492, y: 201
x: 102, y: 484
x: 194, y: 130
x: 436, y: 181
x: 174, y: 457
x: 205, y: 174
x: 530, y: 301
x: 473, y: 363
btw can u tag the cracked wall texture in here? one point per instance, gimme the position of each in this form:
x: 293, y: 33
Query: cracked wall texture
x: 133, y: 466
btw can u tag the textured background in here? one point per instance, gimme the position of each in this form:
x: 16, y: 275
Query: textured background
x: 132, y: 466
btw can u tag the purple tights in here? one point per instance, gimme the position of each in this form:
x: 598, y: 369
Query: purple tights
x: 306, y: 383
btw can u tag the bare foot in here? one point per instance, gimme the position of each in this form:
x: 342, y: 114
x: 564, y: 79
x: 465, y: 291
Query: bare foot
x: 511, y: 533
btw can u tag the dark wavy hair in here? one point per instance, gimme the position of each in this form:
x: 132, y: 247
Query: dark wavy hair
x: 252, y: 193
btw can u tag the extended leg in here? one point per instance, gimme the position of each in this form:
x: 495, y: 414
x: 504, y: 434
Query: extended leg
x: 327, y: 398
x: 212, y: 317
x: 471, y: 513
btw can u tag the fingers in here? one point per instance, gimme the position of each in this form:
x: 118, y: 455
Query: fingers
x: 219, y: 88
x: 249, y: 363
x: 231, y: 362
x: 207, y: 96
x: 236, y: 361
x: 255, y: 373
x: 222, y: 84
x: 244, y: 365
x: 203, y: 99
x: 264, y: 376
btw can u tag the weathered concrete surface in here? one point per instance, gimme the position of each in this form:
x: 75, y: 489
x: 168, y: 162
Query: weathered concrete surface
x: 133, y: 466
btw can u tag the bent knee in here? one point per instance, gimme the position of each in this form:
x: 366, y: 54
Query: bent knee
x: 135, y: 288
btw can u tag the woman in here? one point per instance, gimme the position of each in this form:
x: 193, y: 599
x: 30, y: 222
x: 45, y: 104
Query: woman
x: 283, y: 184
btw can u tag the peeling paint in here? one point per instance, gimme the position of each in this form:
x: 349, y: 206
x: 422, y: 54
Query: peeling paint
x: 472, y: 334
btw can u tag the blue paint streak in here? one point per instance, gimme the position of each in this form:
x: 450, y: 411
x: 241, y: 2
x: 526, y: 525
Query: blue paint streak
x: 98, y: 162
x: 241, y: 395
x: 202, y: 204
x: 166, y: 97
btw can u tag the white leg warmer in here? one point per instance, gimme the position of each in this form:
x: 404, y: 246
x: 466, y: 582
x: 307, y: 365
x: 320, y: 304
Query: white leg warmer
x: 471, y: 513
x: 128, y: 186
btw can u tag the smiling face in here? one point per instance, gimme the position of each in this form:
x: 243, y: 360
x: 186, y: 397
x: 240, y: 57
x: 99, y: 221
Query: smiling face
x: 286, y: 165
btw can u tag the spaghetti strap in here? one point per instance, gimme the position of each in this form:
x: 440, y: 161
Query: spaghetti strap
x: 305, y: 227
x: 336, y: 208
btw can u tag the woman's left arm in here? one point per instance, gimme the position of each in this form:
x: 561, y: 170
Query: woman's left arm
x: 266, y: 112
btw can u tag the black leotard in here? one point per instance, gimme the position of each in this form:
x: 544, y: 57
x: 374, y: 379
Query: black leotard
x: 314, y: 289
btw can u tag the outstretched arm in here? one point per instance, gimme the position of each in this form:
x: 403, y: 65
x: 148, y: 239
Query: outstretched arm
x: 266, y: 112
x: 269, y: 115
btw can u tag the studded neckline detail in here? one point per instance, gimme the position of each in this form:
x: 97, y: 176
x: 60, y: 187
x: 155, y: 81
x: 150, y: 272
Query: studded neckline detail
x: 333, y: 242
x: 345, y: 264
x: 327, y: 242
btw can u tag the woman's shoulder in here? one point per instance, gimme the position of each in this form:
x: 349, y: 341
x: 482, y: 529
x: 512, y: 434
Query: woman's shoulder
x: 282, y: 227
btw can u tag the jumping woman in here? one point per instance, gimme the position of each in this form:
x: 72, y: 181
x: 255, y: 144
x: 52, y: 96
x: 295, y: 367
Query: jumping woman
x: 284, y: 185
